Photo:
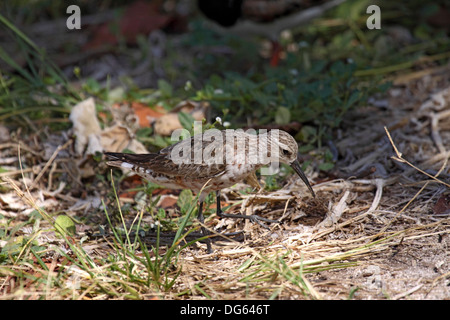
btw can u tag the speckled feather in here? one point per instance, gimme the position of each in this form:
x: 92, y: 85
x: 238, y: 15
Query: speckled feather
x: 241, y: 154
x: 161, y: 169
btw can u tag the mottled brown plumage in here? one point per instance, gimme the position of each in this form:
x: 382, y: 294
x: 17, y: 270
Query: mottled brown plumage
x: 213, y: 160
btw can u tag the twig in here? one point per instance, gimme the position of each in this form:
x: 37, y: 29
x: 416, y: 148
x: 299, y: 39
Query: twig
x: 407, y: 293
x: 336, y: 212
x: 376, y: 199
x: 400, y: 159
x: 336, y: 227
x: 15, y: 172
x: 49, y: 162
x: 23, y: 146
x: 435, y: 132
x: 50, y: 175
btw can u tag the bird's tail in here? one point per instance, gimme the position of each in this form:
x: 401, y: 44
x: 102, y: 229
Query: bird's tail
x: 127, y: 160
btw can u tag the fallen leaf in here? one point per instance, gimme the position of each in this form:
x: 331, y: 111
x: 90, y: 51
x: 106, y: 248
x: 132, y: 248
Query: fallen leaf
x: 167, y: 202
x: 85, y: 127
x: 146, y: 114
x: 118, y: 138
x: 169, y: 122
x: 131, y: 182
x: 165, y: 125
x: 12, y: 201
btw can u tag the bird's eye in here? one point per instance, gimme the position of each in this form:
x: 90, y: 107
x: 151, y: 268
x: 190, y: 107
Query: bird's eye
x: 286, y: 152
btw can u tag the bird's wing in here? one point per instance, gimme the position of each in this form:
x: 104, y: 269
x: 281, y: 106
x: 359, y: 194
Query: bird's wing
x: 194, y: 156
x: 184, y: 158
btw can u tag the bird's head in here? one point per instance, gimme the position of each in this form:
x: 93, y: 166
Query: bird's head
x: 288, y: 153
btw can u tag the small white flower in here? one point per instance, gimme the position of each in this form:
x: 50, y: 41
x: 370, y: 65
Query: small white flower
x: 218, y: 91
x: 226, y: 124
x: 219, y: 120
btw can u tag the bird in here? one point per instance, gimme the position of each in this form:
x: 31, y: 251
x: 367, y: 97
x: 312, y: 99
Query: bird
x: 267, y: 18
x: 214, y: 160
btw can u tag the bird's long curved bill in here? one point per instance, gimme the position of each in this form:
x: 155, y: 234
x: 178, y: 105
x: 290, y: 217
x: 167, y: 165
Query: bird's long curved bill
x: 296, y: 166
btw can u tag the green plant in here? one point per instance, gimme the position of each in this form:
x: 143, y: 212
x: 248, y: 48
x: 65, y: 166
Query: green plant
x: 320, y: 96
x: 37, y: 89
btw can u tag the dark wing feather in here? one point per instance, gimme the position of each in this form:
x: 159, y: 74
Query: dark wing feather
x: 161, y: 162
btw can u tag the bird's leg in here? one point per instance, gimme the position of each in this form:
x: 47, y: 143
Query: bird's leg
x: 218, y: 209
x: 204, y: 231
x: 253, y: 217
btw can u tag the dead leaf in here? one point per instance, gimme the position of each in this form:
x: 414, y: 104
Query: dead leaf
x: 167, y: 201
x: 169, y: 122
x: 86, y: 127
x: 146, y: 114
x: 12, y: 201
x: 91, y: 138
x: 165, y: 125
x: 118, y: 138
